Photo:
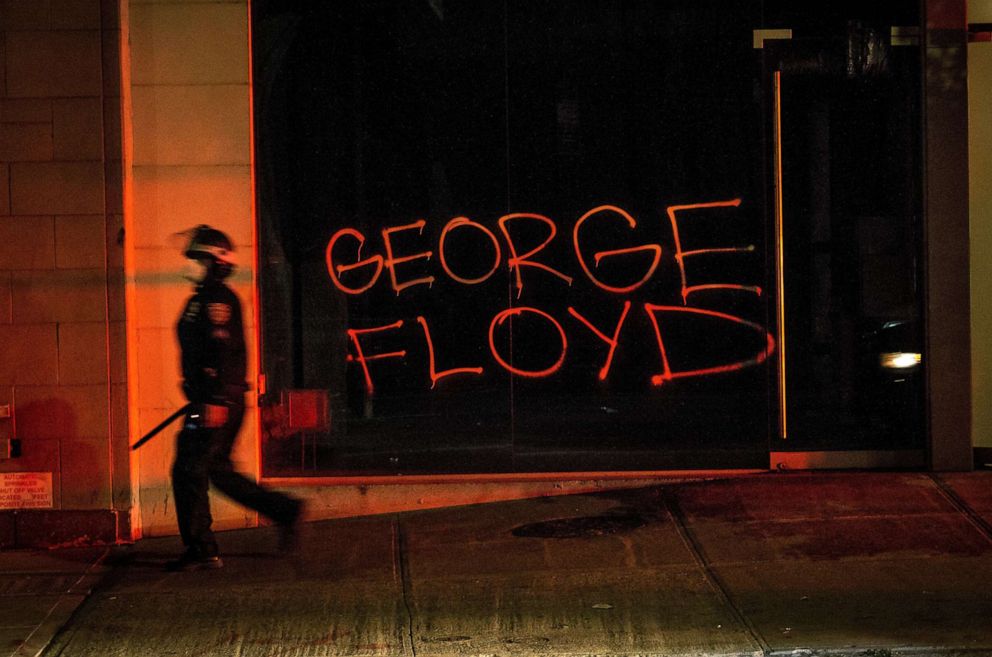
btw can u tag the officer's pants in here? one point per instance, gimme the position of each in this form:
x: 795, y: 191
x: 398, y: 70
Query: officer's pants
x: 204, y: 456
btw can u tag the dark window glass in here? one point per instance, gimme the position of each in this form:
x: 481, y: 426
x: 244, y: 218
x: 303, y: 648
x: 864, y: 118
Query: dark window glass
x: 422, y: 171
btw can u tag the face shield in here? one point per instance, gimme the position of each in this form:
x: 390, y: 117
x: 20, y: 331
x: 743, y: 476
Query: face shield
x: 195, y: 270
x: 208, y: 252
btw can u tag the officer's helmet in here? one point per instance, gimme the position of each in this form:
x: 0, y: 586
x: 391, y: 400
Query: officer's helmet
x: 214, y: 247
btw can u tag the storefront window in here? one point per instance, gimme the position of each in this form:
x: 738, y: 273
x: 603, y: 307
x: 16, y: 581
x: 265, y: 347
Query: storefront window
x: 514, y: 237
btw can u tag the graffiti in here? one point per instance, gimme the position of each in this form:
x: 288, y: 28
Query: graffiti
x: 667, y: 373
x: 681, y: 255
x: 355, y: 274
x: 534, y: 374
x: 432, y: 365
x: 465, y: 221
x: 360, y: 356
x: 605, y: 370
x: 599, y: 256
x: 518, y: 261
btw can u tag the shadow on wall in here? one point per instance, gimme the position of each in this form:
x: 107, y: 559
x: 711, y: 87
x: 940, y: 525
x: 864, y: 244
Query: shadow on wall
x: 80, y: 512
x: 49, y: 433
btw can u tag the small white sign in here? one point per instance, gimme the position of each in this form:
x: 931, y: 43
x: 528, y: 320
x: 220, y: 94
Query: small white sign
x: 26, y: 490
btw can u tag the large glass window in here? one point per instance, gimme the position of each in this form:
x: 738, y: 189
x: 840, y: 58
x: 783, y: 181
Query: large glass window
x: 513, y: 236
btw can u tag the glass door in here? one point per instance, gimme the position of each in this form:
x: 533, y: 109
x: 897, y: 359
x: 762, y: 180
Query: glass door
x: 844, y: 142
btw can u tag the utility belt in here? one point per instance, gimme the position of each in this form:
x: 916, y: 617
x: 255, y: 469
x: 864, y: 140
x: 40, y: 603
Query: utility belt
x: 233, y: 400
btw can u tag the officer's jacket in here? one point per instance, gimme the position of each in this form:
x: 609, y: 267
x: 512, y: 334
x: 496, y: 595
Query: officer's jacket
x: 212, y: 339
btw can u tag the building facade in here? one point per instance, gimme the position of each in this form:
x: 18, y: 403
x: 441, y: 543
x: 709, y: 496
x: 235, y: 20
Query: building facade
x: 490, y: 252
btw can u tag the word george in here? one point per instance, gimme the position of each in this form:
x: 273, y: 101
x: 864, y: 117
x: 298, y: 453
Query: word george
x: 372, y: 266
x: 654, y: 312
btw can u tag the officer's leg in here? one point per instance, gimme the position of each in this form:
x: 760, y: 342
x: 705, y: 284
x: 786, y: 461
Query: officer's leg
x: 275, y: 506
x: 184, y: 485
x: 189, y: 487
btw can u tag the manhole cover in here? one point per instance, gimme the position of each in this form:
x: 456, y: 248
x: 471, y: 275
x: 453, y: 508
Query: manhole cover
x: 580, y: 527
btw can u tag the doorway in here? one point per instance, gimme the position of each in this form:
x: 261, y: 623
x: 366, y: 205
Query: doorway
x: 844, y: 145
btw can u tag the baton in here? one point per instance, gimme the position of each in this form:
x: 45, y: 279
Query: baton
x: 163, y: 424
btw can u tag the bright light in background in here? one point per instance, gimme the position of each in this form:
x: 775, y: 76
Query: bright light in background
x: 900, y: 360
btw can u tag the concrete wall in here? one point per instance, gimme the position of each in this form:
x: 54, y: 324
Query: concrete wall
x: 980, y: 194
x: 946, y: 238
x: 189, y: 162
x: 61, y: 294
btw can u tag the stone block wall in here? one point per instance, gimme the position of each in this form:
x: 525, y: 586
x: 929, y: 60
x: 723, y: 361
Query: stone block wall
x: 61, y: 264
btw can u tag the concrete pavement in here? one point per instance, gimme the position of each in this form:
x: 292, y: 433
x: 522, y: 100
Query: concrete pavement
x: 39, y: 592
x: 852, y: 563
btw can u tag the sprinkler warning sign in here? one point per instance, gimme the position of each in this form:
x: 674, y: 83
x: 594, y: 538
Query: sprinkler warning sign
x: 26, y: 490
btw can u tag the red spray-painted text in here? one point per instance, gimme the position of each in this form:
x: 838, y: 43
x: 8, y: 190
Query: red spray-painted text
x: 353, y: 274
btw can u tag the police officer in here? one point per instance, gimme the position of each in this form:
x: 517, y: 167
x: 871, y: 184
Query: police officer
x: 211, y: 337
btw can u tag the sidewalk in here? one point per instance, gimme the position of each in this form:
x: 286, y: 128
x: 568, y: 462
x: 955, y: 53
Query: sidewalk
x: 855, y: 563
x: 39, y: 591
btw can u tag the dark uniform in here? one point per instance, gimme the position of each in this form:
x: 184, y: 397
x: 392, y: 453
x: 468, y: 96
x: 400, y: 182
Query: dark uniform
x: 211, y: 336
